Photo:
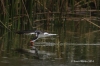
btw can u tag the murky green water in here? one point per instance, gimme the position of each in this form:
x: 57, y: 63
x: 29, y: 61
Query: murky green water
x: 60, y: 50
x: 34, y: 62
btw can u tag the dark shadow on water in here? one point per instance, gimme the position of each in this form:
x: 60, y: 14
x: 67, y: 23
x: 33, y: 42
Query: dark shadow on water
x: 69, y: 49
x: 35, y: 54
x: 72, y: 56
x: 33, y: 62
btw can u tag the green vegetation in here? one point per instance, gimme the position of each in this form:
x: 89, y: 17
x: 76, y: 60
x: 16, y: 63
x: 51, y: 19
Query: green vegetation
x: 75, y: 21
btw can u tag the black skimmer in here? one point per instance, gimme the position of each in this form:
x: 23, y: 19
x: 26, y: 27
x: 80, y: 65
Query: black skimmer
x: 39, y: 34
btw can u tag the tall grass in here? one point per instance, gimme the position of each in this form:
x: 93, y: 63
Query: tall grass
x: 74, y: 21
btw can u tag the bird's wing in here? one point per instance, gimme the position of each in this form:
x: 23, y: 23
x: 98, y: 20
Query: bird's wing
x: 27, y: 32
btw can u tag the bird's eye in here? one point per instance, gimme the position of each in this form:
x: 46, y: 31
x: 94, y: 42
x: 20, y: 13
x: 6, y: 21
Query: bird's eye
x: 37, y: 32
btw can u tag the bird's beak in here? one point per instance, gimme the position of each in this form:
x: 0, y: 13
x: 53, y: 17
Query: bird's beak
x: 52, y: 34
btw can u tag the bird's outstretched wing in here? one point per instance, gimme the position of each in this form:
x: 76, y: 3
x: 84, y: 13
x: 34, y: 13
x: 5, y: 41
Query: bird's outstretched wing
x: 27, y: 32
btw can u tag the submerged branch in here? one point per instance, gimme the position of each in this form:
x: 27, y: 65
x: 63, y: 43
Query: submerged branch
x: 91, y: 22
x: 4, y: 25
